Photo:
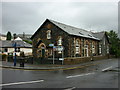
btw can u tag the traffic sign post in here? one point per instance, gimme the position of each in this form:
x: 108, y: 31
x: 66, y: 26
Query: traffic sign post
x: 57, y: 48
x: 14, y: 57
x: 53, y: 55
x: 52, y: 45
x: 61, y: 48
x: 62, y: 56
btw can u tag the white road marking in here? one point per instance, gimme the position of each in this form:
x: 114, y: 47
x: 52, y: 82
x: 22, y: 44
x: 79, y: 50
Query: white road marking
x: 70, y: 88
x: 21, y: 83
x: 107, y: 68
x: 79, y: 75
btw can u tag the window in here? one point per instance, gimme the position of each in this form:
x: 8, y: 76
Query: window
x: 80, y: 33
x: 86, y: 50
x: 49, y: 34
x: 100, y: 49
x: 5, y: 50
x: 77, y: 47
x: 93, y: 48
x: 77, y: 42
x: 59, y: 40
x: 90, y: 35
x: 82, y: 46
x: 17, y: 50
x: 107, y: 49
x: 77, y: 50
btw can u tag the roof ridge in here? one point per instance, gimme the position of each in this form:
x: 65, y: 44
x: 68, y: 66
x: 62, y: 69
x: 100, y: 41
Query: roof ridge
x: 68, y: 25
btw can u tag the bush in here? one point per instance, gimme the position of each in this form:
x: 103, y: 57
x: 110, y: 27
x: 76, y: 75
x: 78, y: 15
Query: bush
x: 27, y: 41
x: 4, y: 57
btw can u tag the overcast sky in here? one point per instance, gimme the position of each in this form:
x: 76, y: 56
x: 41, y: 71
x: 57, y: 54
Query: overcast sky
x: 19, y: 17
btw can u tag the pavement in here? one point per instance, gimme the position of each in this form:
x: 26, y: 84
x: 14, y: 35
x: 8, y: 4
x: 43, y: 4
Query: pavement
x: 49, y: 67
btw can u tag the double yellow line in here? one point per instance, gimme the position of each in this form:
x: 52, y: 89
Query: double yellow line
x: 69, y: 68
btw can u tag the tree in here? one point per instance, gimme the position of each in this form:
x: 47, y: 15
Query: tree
x: 114, y: 43
x: 14, y: 36
x: 9, y: 36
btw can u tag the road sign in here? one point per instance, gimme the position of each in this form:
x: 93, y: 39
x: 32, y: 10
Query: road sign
x: 51, y: 45
x: 60, y: 48
x: 54, y: 47
x: 61, y: 59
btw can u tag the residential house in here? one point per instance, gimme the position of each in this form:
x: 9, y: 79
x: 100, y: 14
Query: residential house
x: 24, y: 36
x: 76, y: 42
x: 2, y: 37
x: 7, y: 47
x: 103, y: 44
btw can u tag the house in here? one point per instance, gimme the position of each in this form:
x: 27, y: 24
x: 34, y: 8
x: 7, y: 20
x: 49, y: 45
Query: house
x: 7, y: 47
x: 24, y: 36
x: 18, y: 39
x: 75, y: 41
x: 104, y: 42
x: 2, y: 37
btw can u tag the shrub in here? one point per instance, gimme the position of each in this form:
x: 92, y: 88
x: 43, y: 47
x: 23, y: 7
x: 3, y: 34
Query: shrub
x: 4, y: 57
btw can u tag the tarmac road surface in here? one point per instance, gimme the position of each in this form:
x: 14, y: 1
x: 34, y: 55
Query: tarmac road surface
x: 103, y: 75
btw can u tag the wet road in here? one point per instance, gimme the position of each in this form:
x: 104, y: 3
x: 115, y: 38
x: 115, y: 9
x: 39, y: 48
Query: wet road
x: 102, y: 75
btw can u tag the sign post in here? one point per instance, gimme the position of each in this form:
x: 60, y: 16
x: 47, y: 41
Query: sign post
x: 62, y: 56
x: 14, y: 57
x: 52, y: 45
x: 61, y: 48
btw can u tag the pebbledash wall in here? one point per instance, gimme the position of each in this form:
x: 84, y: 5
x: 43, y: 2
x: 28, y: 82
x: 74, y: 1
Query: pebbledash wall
x: 76, y: 49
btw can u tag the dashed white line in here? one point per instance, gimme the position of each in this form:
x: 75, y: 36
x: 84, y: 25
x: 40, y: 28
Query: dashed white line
x: 21, y: 83
x: 79, y: 75
x: 107, y: 68
x: 70, y: 88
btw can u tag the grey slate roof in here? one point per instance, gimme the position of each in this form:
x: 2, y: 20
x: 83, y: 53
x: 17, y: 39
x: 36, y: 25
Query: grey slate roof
x: 10, y: 44
x: 25, y: 37
x: 2, y: 35
x: 99, y: 35
x: 74, y: 31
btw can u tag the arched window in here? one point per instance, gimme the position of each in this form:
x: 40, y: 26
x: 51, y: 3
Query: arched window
x: 93, y: 48
x: 77, y: 42
x: 77, y: 46
x: 49, y: 34
x: 100, y: 48
x: 59, y: 40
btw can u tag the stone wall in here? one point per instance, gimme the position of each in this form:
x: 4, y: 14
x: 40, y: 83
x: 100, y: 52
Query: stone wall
x: 77, y: 60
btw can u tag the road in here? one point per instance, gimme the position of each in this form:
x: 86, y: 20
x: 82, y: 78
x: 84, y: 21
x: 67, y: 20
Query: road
x: 102, y: 75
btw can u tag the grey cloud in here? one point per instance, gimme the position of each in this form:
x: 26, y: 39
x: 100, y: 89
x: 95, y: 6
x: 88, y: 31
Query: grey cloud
x: 27, y: 17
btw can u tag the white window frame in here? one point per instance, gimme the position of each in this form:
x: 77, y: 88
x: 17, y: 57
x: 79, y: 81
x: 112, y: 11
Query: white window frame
x: 60, y: 40
x: 100, y: 48
x: 93, y: 49
x: 77, y: 50
x: 86, y: 48
x: 49, y: 34
x: 77, y: 46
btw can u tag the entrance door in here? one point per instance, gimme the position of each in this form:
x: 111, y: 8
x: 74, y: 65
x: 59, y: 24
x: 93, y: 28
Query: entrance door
x: 43, y: 52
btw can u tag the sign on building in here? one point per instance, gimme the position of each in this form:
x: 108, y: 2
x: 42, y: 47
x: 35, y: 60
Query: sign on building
x: 51, y: 45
